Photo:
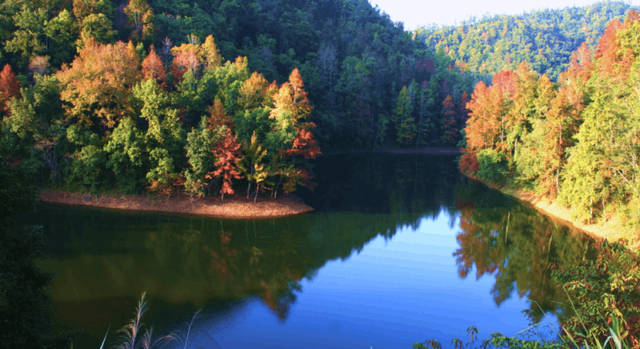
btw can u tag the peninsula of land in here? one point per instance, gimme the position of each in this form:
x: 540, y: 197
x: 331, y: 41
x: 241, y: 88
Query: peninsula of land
x: 231, y: 207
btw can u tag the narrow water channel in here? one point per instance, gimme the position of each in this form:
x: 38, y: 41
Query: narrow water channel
x: 400, y: 249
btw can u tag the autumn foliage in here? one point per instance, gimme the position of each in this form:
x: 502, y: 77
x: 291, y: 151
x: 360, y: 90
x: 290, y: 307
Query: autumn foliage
x: 9, y: 87
x: 141, y: 124
x: 227, y: 154
x: 575, y: 140
x: 152, y: 66
x: 98, y: 83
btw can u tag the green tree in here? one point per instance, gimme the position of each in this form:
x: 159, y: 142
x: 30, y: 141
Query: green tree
x: 253, y: 166
x: 404, y: 122
x: 165, y: 136
x: 38, y: 118
x: 200, y: 141
x: 28, y: 38
x: 127, y: 155
x: 62, y: 32
x: 140, y: 19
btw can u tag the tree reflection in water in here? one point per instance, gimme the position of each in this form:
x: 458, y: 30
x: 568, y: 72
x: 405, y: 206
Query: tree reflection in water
x: 516, y: 244
x: 184, y: 263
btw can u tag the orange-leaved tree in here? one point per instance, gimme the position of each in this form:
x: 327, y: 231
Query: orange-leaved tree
x: 448, y: 121
x: 227, y: 157
x: 98, y: 84
x: 152, y: 67
x: 9, y: 87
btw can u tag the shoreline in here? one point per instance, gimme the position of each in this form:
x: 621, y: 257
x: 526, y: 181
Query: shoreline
x: 233, y: 207
x: 612, y: 230
x: 398, y: 150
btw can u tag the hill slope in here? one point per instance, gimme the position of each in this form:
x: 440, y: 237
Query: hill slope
x: 544, y: 39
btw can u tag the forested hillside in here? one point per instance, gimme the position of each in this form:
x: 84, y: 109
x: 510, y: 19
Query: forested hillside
x: 577, y: 140
x: 196, y: 95
x: 353, y: 59
x: 205, y: 96
x: 544, y: 39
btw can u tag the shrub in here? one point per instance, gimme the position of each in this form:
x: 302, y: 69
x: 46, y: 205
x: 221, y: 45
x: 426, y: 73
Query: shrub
x: 492, y: 166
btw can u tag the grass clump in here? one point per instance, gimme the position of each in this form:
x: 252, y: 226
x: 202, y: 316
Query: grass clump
x: 132, y: 335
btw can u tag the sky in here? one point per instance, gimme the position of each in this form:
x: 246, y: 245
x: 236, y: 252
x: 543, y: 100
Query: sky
x: 416, y: 13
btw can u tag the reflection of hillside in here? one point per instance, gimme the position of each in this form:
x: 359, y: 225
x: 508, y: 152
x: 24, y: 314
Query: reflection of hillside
x: 383, y: 184
x: 106, y: 256
x: 181, y: 260
x: 512, y: 241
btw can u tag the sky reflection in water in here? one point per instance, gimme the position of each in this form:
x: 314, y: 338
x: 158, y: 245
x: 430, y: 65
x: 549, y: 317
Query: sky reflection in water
x: 393, y: 293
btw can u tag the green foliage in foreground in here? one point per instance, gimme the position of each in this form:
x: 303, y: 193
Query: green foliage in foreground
x: 603, y: 291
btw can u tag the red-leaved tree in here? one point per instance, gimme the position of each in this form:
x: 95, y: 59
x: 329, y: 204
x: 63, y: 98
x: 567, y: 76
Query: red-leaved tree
x: 226, y: 153
x: 152, y: 67
x: 9, y: 87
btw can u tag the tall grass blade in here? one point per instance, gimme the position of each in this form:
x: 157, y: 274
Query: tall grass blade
x: 615, y: 339
x: 133, y: 328
x: 186, y: 340
x: 104, y: 340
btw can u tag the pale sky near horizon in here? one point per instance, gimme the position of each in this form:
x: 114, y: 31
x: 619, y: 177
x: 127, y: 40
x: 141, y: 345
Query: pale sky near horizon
x: 416, y: 13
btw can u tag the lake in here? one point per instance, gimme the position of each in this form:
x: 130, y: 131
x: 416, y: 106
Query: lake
x: 400, y: 249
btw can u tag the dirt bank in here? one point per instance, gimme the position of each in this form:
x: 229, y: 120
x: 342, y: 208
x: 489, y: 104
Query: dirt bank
x: 232, y: 206
x: 613, y: 229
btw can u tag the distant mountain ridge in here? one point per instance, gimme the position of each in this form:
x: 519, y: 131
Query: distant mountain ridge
x: 545, y: 39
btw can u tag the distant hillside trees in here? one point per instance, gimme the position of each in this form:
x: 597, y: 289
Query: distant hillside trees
x: 544, y: 39
x: 577, y: 140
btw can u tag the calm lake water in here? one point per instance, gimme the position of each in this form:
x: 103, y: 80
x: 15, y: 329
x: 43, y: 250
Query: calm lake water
x: 400, y: 249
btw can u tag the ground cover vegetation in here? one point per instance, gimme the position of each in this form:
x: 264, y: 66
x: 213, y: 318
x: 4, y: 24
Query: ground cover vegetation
x: 575, y: 141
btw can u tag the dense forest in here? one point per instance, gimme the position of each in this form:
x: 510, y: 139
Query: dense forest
x: 199, y: 96
x: 577, y: 140
x: 204, y: 97
x: 544, y: 39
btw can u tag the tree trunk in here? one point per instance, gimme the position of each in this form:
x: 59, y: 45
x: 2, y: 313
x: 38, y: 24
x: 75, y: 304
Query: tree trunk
x: 255, y: 198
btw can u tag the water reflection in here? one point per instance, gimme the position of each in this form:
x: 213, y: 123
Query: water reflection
x: 516, y: 244
x: 105, y: 259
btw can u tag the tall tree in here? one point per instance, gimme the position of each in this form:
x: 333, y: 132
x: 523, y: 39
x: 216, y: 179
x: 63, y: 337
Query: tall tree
x: 152, y: 67
x: 164, y: 137
x: 404, y: 122
x: 9, y: 87
x: 227, y: 154
x: 448, y: 121
x: 98, y: 83
x: 140, y: 19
